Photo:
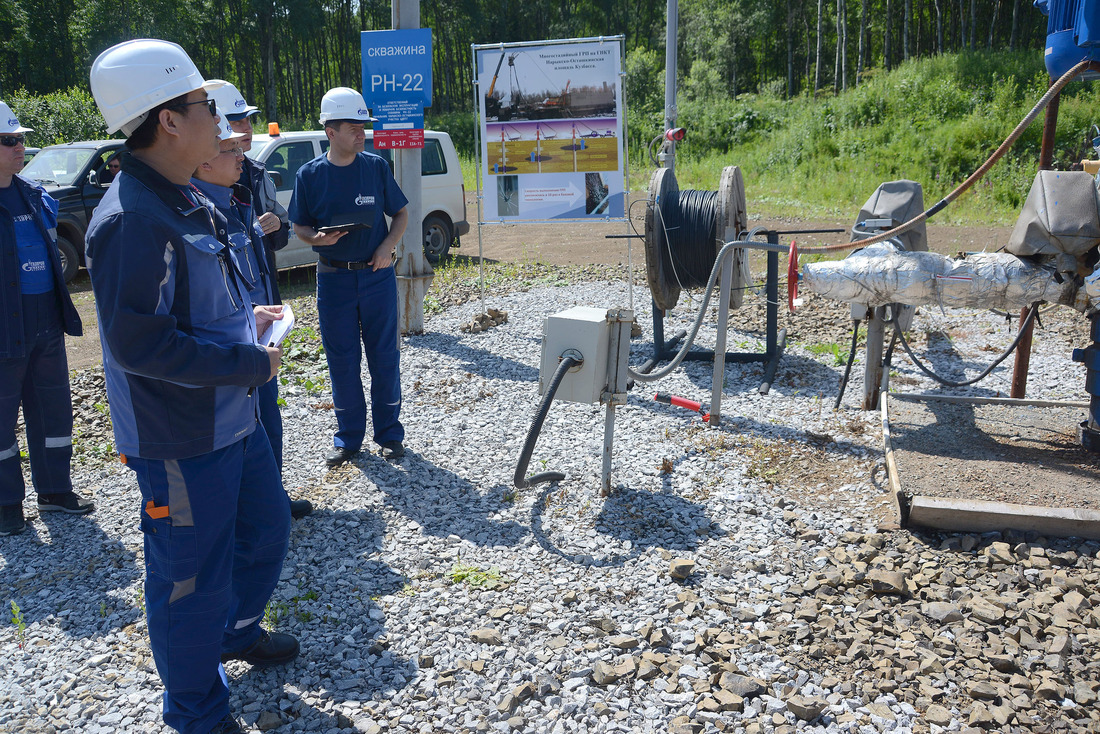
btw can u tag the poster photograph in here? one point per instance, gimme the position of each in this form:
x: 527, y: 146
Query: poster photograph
x: 552, y: 130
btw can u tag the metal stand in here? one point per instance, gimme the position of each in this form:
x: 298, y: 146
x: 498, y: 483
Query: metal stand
x: 1089, y: 431
x: 775, y: 338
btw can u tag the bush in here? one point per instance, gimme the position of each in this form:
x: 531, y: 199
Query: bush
x: 59, y: 117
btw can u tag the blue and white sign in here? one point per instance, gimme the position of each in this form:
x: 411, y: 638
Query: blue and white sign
x: 397, y: 84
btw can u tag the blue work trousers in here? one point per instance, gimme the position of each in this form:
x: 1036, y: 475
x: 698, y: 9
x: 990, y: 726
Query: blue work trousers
x: 271, y: 418
x: 216, y: 529
x: 40, y: 381
x: 354, y: 305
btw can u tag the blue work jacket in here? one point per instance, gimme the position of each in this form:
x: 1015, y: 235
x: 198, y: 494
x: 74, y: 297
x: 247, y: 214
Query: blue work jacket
x: 175, y: 319
x: 44, y: 208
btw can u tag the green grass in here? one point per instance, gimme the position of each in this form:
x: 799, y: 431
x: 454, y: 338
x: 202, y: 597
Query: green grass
x: 462, y: 573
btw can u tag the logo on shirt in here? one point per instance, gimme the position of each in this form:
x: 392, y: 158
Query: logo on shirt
x: 34, y: 266
x: 364, y: 200
x: 23, y: 218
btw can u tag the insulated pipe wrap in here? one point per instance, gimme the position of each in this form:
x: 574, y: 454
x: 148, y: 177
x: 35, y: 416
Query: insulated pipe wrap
x: 881, y: 274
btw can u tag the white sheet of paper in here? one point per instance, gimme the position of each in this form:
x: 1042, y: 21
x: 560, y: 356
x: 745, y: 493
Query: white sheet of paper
x: 277, y: 330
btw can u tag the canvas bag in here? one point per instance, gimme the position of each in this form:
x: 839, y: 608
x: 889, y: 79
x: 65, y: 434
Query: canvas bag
x: 1061, y: 218
x: 898, y: 201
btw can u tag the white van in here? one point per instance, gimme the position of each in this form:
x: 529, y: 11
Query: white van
x: 443, y: 194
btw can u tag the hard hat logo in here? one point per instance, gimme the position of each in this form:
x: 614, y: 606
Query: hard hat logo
x: 170, y: 69
x: 240, y: 103
x: 13, y: 121
x: 363, y: 112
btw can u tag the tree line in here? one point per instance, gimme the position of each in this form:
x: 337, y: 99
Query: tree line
x: 284, y: 54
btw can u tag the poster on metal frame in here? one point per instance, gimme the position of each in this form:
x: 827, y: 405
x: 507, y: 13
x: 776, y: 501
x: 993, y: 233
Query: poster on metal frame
x: 552, y: 133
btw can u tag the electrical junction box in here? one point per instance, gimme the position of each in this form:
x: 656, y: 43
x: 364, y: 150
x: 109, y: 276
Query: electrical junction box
x: 601, y: 338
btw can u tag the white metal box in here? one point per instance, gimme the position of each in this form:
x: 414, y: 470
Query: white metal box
x: 586, y: 330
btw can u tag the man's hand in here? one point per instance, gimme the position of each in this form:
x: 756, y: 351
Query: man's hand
x: 382, y: 257
x: 265, y: 315
x: 313, y: 238
x: 275, y: 358
x: 269, y: 222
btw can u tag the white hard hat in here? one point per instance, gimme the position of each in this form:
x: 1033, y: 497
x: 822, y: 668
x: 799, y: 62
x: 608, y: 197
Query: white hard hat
x: 344, y: 103
x: 225, y: 131
x: 133, y: 77
x: 9, y: 123
x: 231, y: 102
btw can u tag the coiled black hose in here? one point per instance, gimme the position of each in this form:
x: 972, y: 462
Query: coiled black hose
x: 690, y: 220
x: 951, y: 383
x: 520, y: 479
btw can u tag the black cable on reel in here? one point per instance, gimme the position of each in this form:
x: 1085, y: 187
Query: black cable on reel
x: 690, y: 221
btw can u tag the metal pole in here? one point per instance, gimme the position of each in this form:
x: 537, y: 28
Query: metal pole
x: 872, y: 370
x: 671, y: 24
x: 1022, y: 359
x: 608, y: 442
x: 719, y: 380
x: 414, y: 274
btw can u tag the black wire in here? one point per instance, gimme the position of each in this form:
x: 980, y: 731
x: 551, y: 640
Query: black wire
x: 848, y: 367
x: 950, y: 383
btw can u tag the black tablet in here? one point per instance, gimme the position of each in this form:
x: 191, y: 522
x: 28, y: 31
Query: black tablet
x: 343, y: 227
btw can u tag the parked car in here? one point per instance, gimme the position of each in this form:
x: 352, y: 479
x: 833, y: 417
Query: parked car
x: 28, y: 153
x: 443, y: 197
x: 73, y: 173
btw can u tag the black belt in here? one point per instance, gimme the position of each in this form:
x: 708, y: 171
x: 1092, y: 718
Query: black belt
x: 343, y: 264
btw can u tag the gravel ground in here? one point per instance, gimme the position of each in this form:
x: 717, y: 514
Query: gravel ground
x: 743, y: 578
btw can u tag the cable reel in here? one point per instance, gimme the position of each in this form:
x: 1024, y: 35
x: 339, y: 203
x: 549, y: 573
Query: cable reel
x: 685, y: 230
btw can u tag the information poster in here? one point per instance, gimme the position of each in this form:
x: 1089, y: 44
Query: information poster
x: 552, y: 130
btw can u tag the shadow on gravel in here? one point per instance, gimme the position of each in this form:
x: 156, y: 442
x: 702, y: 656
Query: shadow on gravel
x: 480, y: 362
x: 795, y: 371
x: 639, y: 520
x: 66, y: 566
x: 440, y: 501
x: 328, y: 603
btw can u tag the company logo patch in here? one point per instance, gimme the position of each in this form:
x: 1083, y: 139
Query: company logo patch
x: 35, y: 266
x: 363, y: 112
x: 364, y: 200
x: 239, y: 103
x: 13, y: 122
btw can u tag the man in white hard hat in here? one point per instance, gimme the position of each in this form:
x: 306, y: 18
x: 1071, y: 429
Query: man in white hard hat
x: 35, y: 314
x: 340, y: 204
x: 181, y: 363
x: 272, y: 219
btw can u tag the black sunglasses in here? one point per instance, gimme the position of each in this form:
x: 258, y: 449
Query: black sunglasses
x: 10, y: 141
x: 208, y: 102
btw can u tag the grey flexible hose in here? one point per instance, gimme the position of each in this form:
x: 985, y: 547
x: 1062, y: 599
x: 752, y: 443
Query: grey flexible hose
x: 722, y: 255
x: 654, y: 376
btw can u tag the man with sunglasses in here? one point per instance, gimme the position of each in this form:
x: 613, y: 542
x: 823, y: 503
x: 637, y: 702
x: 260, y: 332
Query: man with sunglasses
x: 272, y: 220
x: 181, y: 364
x: 35, y: 314
x: 110, y: 171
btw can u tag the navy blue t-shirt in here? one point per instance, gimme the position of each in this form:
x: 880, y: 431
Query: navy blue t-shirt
x: 35, y: 271
x: 364, y: 190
